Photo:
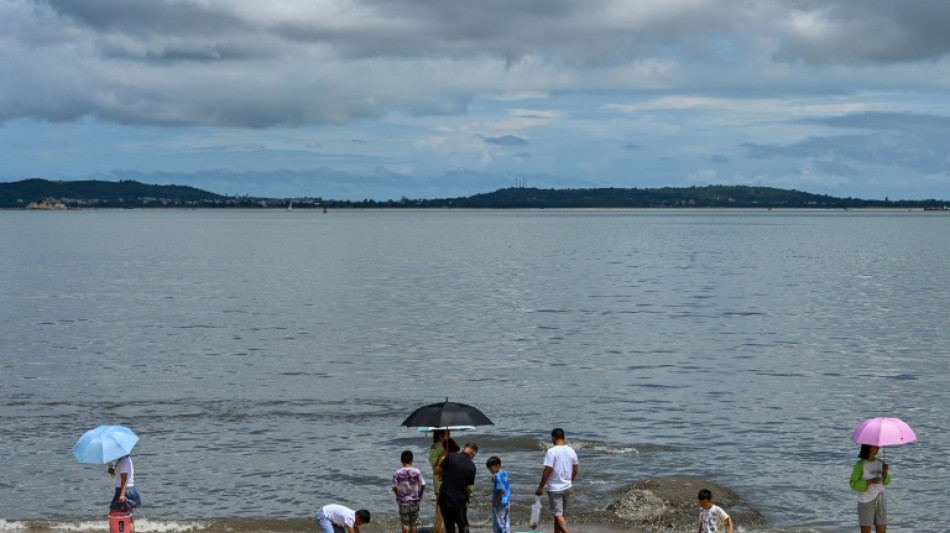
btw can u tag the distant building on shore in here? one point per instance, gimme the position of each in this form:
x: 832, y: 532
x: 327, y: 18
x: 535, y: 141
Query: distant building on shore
x: 48, y: 204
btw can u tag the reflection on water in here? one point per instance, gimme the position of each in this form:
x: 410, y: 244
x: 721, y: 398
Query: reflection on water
x: 267, y: 358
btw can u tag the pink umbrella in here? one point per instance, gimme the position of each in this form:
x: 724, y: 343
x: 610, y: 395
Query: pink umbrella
x: 883, y: 432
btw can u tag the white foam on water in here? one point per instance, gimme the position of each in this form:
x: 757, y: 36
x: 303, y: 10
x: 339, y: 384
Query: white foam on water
x: 141, y: 525
x: 600, y: 447
x: 614, y: 450
x: 169, y: 526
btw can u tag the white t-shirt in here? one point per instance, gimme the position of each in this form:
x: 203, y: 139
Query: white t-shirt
x: 872, y: 469
x: 124, y: 466
x: 561, y: 459
x: 713, y: 520
x: 340, y: 515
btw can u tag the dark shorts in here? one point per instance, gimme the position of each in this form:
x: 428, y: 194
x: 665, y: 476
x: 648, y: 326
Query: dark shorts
x: 132, y: 500
x: 409, y: 514
x: 455, y: 518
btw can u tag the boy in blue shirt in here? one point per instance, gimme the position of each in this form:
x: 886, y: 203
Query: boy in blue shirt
x: 500, y: 496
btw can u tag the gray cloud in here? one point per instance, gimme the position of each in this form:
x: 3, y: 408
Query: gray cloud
x: 838, y: 154
x: 848, y: 31
x: 834, y: 168
x: 896, y: 140
x: 250, y: 64
x: 504, y: 140
x: 910, y: 123
x: 160, y: 17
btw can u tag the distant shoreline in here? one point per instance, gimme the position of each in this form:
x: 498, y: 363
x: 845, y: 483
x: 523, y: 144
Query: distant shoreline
x: 134, y: 195
x: 387, y: 208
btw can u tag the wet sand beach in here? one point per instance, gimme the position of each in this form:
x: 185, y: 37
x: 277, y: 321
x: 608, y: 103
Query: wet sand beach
x: 574, y: 528
x: 144, y: 525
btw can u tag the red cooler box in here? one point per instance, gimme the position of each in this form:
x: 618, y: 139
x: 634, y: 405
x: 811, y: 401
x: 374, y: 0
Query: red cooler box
x: 120, y: 521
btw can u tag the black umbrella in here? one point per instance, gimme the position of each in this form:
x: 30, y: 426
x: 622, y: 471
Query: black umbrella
x: 446, y: 414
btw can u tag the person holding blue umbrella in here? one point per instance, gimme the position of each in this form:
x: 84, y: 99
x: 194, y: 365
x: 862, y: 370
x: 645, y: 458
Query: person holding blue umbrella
x: 113, y: 443
x: 126, y: 496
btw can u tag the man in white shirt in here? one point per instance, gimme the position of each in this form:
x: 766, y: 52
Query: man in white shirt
x: 336, y: 518
x: 560, y: 469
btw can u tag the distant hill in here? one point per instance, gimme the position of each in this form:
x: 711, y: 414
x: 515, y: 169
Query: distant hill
x: 94, y: 193
x: 710, y: 196
x: 91, y: 194
x: 669, y: 197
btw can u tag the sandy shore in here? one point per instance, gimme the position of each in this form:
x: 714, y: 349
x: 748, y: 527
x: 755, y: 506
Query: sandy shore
x: 546, y: 528
x: 657, y: 505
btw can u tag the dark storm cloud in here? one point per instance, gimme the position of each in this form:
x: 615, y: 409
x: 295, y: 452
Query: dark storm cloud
x: 156, y: 16
x: 846, y: 31
x: 421, y: 28
x: 286, y: 63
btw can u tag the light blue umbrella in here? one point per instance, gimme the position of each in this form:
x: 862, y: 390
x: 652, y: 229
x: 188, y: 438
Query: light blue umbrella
x: 450, y: 428
x: 104, y: 444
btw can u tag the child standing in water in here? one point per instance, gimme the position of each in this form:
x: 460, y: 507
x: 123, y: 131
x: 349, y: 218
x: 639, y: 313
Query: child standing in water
x: 868, y: 478
x: 712, y: 518
x: 408, y: 484
x: 500, y: 496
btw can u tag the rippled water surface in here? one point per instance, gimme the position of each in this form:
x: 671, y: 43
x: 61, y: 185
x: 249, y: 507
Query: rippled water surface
x: 267, y: 358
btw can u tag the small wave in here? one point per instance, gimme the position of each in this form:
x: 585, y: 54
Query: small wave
x: 622, y: 450
x: 902, y: 377
x: 142, y: 525
x: 170, y: 526
x: 601, y: 447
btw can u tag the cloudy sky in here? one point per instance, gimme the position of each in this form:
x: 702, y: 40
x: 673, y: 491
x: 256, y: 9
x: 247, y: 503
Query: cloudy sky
x: 353, y: 99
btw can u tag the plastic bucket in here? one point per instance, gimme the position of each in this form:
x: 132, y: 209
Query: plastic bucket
x: 120, y: 521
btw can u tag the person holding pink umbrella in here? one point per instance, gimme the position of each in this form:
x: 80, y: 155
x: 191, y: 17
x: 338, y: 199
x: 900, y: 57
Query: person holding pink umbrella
x: 870, y: 474
x: 868, y: 478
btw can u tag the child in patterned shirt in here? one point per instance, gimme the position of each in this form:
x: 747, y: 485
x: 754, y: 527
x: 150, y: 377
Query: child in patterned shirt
x: 712, y: 519
x: 408, y: 485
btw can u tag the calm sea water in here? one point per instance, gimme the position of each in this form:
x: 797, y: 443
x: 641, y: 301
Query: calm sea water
x: 267, y: 358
